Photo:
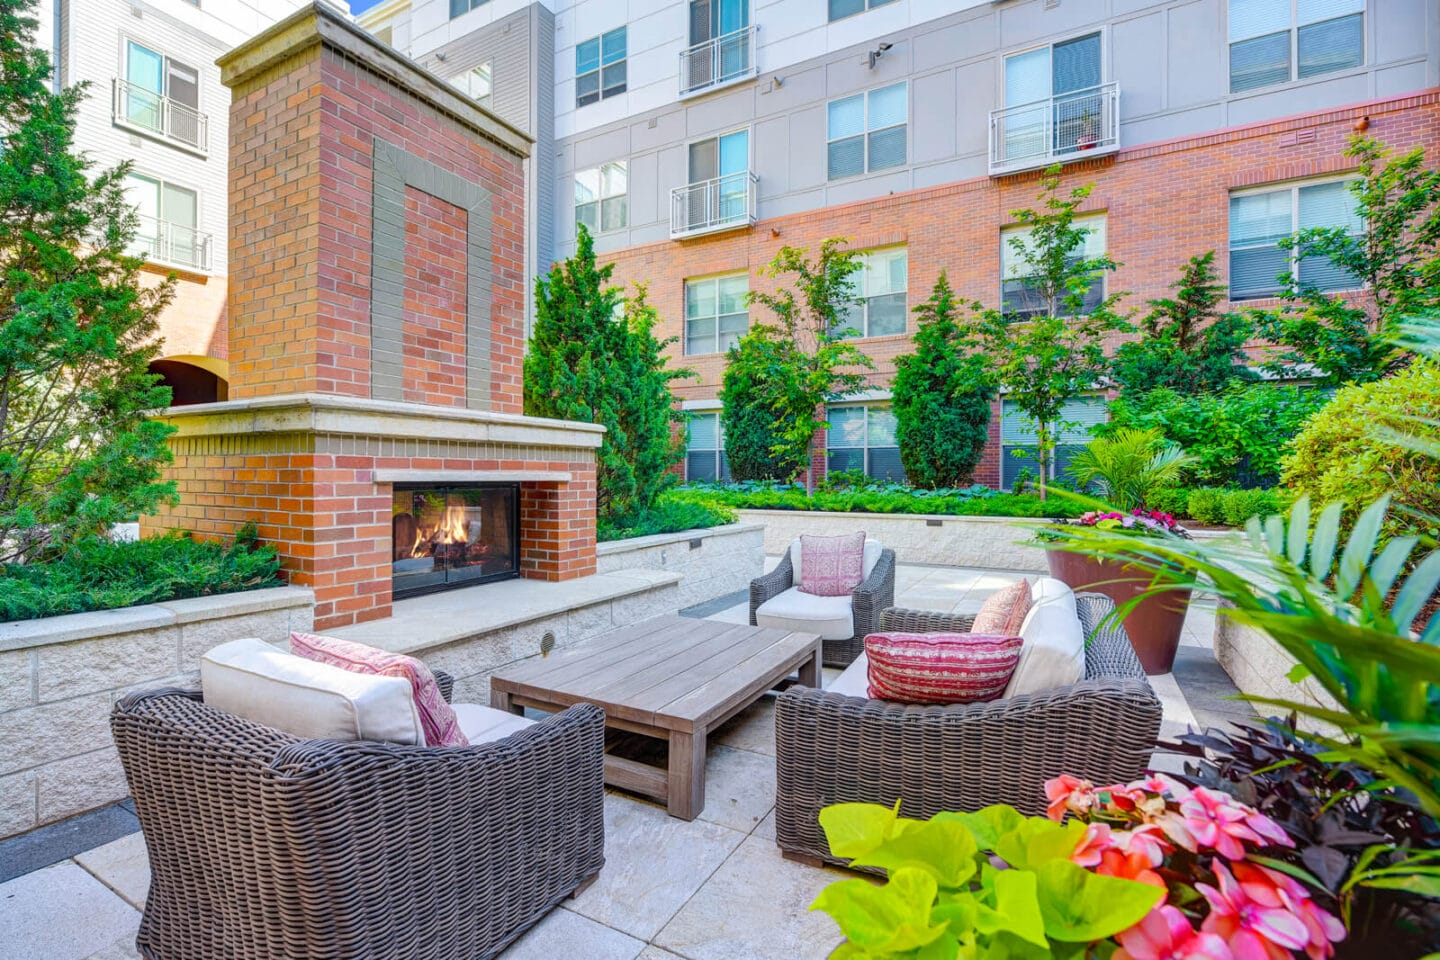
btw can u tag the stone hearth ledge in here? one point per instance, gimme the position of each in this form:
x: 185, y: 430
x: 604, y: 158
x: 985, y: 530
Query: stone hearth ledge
x: 324, y: 414
x: 450, y: 616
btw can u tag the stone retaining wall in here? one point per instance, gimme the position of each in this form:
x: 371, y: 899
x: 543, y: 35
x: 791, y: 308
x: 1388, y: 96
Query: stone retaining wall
x: 712, y: 562
x: 60, y: 675
x: 996, y: 543
x: 1258, y: 666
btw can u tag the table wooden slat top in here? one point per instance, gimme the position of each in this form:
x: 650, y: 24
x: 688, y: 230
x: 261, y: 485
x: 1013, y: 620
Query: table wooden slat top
x: 672, y: 671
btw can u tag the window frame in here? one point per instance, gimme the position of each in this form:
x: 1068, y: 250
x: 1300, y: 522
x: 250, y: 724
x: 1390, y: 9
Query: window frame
x: 722, y: 464
x: 602, y: 66
x: 1293, y: 257
x: 1293, y: 35
x: 863, y: 299
x: 866, y: 460
x: 488, y: 68
x: 866, y: 132
x: 865, y: 7
x: 468, y: 5
x: 1096, y: 398
x: 714, y: 279
x: 601, y: 197
x: 161, y: 182
x: 1103, y: 32
x: 1103, y: 216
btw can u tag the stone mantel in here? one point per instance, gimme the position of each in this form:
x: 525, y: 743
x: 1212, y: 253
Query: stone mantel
x: 325, y: 414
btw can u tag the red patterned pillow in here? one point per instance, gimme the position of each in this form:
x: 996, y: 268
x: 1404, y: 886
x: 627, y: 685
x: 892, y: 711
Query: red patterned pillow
x: 437, y: 719
x: 832, y: 566
x: 1004, y: 611
x: 940, y: 667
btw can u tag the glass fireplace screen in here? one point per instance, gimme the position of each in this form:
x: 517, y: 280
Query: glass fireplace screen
x: 450, y: 536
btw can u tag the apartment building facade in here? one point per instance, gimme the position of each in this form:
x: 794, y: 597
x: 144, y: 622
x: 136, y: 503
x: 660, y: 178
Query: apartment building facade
x: 695, y: 137
x: 155, y: 99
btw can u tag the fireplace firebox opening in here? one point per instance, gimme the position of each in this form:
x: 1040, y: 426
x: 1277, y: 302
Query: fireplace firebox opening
x: 452, y: 535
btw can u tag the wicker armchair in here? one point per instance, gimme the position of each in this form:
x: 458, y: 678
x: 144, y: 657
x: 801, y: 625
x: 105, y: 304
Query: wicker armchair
x: 832, y: 748
x: 266, y: 846
x: 872, y: 596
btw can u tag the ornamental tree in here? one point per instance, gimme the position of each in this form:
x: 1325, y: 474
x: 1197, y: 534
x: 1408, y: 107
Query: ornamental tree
x: 594, y: 358
x: 1046, y: 360
x: 77, y: 328
x: 941, y: 396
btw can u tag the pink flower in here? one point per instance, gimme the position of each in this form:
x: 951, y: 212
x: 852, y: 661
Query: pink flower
x: 1165, y: 934
x: 1264, y: 915
x: 1128, y: 866
x: 1096, y: 841
x: 1068, y: 794
x: 1214, y: 820
x: 1147, y: 841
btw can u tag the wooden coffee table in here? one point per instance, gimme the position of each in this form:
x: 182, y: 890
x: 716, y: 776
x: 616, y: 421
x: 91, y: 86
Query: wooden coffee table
x: 673, y: 678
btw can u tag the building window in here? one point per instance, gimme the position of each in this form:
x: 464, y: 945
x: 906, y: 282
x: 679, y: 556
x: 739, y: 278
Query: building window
x: 475, y: 84
x: 847, y: 8
x: 1275, y: 41
x: 862, y: 437
x: 600, y: 201
x: 161, y: 94
x: 1018, y: 300
x: 866, y: 132
x: 1259, y: 220
x: 169, y: 218
x: 458, y: 7
x: 600, y: 67
x: 1054, y: 104
x: 715, y: 313
x: 880, y: 286
x: 1017, y: 437
x: 705, y: 448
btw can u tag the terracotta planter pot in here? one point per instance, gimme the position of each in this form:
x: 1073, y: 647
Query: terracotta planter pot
x: 1154, y: 626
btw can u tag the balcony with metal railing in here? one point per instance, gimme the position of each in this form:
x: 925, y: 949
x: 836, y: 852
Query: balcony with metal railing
x: 151, y: 113
x: 713, y: 206
x: 1072, y: 126
x: 718, y: 62
x: 171, y: 244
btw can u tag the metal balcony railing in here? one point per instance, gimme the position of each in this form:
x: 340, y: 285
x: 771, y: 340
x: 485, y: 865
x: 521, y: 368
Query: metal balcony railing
x: 150, y: 112
x: 1072, y: 126
x: 172, y: 244
x: 719, y: 61
x: 724, y: 203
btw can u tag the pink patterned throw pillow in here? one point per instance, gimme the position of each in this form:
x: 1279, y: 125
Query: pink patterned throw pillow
x: 437, y: 719
x: 940, y: 667
x: 1004, y: 611
x: 832, y: 566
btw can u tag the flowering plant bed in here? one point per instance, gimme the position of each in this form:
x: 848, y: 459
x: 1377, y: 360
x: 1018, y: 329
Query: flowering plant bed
x: 1138, y: 522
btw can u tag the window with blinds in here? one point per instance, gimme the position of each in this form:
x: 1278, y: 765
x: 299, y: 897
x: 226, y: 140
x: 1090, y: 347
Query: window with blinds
x: 862, y: 437
x: 1018, y: 297
x: 600, y: 69
x: 1018, y: 437
x: 867, y: 132
x: 600, y: 197
x: 881, y: 285
x: 705, y: 448
x: 715, y: 312
x: 1275, y: 41
x: 1260, y: 220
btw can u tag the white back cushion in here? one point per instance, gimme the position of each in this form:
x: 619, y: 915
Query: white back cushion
x: 1053, y: 654
x: 873, y: 549
x: 303, y: 698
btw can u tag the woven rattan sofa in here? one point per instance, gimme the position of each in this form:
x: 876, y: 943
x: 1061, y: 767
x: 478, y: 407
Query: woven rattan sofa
x: 832, y: 748
x: 874, y: 594
x: 263, y: 846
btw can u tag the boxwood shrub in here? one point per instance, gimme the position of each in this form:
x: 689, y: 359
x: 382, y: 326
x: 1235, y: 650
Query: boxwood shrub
x: 976, y: 501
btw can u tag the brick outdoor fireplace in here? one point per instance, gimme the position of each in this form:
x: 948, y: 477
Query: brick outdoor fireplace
x: 376, y: 314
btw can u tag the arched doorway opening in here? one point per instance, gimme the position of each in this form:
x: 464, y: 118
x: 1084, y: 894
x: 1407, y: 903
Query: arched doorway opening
x: 193, y: 379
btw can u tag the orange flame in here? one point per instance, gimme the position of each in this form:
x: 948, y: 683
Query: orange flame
x: 450, y: 530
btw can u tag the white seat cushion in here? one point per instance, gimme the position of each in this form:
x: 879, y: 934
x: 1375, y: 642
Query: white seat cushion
x: 482, y: 724
x: 1053, y: 654
x: 873, y: 549
x: 855, y: 681
x: 831, y: 617
x: 305, y: 698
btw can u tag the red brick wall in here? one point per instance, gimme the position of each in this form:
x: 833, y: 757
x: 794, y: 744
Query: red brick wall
x: 435, y: 286
x: 1164, y: 202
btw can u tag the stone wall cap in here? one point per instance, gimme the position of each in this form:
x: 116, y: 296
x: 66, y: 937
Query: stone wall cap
x: 947, y: 517
x: 193, y: 609
x: 680, y: 536
x: 321, y: 24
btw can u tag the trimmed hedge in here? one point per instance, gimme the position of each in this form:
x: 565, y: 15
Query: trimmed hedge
x: 975, y: 501
x: 101, y: 575
x: 670, y: 514
x: 1216, y: 506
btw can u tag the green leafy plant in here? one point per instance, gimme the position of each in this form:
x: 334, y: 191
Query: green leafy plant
x: 97, y: 574
x: 946, y: 894
x: 77, y: 326
x: 1217, y: 506
x: 586, y: 363
x: 1186, y: 344
x: 791, y: 368
x: 1129, y: 466
x: 941, y: 396
x: 979, y: 502
x: 1044, y: 362
x: 669, y: 513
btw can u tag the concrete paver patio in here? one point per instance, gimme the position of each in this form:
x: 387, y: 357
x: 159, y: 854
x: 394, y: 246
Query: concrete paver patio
x: 712, y: 889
